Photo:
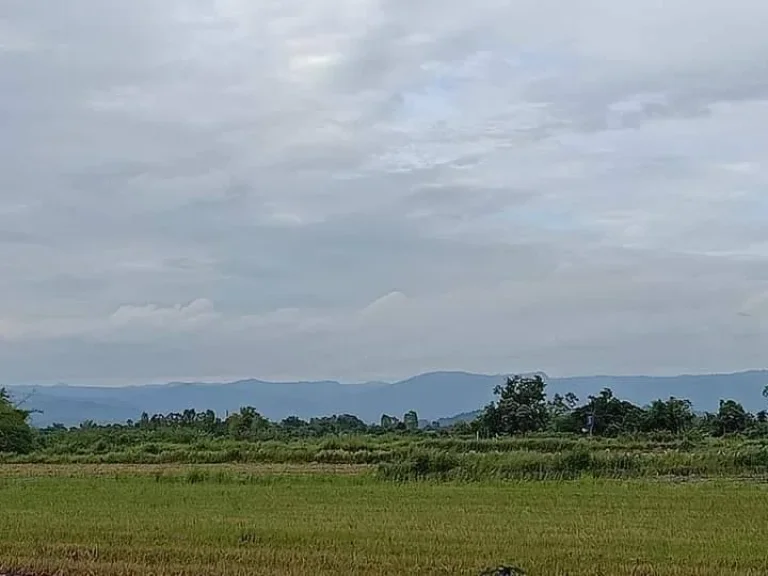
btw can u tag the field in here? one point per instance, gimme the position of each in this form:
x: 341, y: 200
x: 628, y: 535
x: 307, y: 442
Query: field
x: 299, y: 519
x: 445, y: 458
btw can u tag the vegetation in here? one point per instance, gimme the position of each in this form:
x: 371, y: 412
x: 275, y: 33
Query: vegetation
x: 522, y: 435
x: 402, y: 458
x: 16, y: 435
x: 194, y: 493
x: 522, y: 408
x: 237, y: 521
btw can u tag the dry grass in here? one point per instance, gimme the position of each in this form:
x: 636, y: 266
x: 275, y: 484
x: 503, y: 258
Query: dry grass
x: 142, y: 470
x: 130, y: 521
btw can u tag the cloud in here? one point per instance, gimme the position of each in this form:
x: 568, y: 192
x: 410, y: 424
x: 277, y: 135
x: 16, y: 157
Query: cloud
x: 361, y: 189
x: 193, y: 316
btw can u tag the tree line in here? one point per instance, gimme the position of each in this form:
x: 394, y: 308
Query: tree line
x: 521, y: 406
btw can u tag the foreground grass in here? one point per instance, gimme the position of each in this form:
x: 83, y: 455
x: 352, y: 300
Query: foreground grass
x: 192, y: 521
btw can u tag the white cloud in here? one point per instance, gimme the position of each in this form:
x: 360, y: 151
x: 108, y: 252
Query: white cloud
x: 196, y: 314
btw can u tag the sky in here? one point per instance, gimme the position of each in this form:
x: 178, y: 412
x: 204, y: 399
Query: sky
x: 363, y: 189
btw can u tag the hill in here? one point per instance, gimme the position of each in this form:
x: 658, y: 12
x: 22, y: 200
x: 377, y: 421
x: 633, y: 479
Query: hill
x: 433, y: 395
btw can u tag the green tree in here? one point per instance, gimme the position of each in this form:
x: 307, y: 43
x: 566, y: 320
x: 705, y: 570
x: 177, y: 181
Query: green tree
x: 611, y: 415
x: 337, y: 424
x: 247, y: 423
x: 561, y: 410
x: 731, y: 418
x: 521, y: 407
x: 16, y: 435
x: 672, y: 415
x: 389, y: 422
x: 411, y: 421
x: 350, y: 423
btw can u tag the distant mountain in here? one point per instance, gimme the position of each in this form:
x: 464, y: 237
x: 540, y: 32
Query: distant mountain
x: 433, y: 395
x: 463, y: 417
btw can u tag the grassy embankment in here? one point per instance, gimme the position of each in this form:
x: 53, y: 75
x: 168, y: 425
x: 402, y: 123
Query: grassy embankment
x: 407, y: 458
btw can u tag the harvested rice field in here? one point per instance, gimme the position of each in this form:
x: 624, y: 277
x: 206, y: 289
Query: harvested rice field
x: 297, y: 520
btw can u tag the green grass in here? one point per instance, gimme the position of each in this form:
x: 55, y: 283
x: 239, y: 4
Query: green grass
x: 404, y: 458
x: 182, y: 520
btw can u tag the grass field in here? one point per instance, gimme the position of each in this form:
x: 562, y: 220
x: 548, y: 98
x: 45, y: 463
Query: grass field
x: 245, y: 519
x: 407, y: 458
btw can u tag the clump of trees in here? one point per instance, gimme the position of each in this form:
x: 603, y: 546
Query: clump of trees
x: 522, y: 407
x: 246, y: 424
x: 16, y: 434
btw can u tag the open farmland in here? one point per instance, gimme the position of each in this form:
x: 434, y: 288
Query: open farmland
x: 655, y: 490
x: 124, y: 520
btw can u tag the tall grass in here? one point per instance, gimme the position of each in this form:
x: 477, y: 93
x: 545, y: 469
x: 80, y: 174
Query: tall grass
x: 406, y: 458
x: 571, y: 464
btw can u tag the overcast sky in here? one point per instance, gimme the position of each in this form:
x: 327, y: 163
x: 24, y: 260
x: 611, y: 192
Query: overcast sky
x: 361, y: 189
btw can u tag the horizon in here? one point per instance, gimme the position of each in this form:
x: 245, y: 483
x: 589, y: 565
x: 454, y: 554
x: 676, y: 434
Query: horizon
x: 388, y: 382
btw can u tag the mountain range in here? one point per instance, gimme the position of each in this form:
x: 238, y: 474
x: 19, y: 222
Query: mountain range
x: 434, y: 396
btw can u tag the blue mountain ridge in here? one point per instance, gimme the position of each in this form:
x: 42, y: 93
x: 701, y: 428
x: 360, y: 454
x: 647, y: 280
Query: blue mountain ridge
x: 433, y: 395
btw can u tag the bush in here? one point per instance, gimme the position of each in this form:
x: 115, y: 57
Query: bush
x: 16, y: 435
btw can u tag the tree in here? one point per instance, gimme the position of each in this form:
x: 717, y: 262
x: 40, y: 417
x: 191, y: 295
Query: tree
x: 561, y: 409
x: 16, y: 435
x: 411, y: 421
x: 247, y: 423
x: 731, y: 418
x: 337, y: 424
x: 350, y: 423
x: 389, y: 422
x: 672, y: 415
x: 521, y: 407
x: 610, y: 415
